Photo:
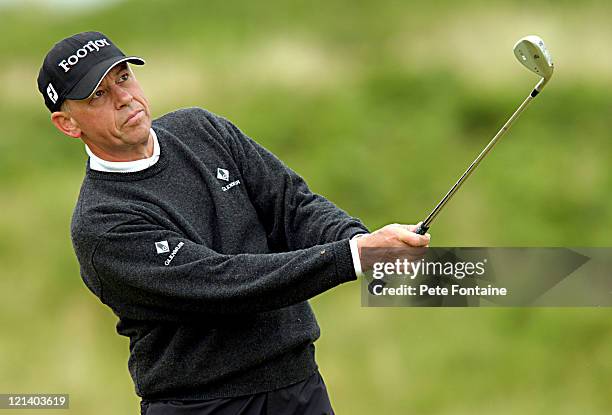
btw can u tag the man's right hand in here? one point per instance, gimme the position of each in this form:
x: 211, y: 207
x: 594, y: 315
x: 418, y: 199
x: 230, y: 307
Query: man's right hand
x: 393, y: 236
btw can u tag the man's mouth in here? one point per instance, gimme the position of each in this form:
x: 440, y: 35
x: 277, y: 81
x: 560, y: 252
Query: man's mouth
x: 134, y: 117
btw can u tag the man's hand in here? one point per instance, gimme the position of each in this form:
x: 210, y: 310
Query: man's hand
x: 392, y: 236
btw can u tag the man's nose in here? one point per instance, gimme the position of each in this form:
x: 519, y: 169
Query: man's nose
x: 121, y: 96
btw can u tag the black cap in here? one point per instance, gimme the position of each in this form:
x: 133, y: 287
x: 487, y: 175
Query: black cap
x: 75, y: 66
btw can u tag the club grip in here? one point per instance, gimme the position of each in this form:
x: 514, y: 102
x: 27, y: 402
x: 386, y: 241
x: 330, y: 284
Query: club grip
x: 421, y: 230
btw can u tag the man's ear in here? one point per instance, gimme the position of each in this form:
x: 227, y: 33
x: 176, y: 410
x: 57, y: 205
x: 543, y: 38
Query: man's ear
x: 66, y: 124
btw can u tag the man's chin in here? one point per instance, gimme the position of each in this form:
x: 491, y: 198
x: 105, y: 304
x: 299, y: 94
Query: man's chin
x: 140, y: 130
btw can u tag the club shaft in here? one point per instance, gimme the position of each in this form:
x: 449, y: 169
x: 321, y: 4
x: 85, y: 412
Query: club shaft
x: 429, y: 220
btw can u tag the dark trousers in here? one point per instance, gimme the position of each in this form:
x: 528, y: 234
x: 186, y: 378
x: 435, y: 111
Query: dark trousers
x: 308, y: 397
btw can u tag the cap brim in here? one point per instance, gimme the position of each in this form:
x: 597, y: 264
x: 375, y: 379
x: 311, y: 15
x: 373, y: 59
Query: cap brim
x: 88, y: 84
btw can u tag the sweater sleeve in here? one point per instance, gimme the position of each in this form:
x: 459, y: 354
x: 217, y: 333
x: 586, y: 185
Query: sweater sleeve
x: 176, y: 279
x: 294, y: 217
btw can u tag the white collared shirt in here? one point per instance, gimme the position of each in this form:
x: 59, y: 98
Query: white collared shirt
x: 96, y: 163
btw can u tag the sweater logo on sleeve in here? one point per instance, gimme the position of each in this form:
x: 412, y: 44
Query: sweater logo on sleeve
x: 163, y: 247
x: 173, y: 254
x: 223, y: 174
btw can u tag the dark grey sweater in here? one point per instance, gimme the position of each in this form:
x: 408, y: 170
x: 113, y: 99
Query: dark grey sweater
x: 208, y: 258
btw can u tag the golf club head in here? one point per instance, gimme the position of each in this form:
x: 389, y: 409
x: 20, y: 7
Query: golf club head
x: 532, y: 53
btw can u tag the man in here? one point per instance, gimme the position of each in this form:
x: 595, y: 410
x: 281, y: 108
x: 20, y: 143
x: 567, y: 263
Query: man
x: 203, y: 243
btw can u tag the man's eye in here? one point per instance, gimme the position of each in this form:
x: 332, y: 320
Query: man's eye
x: 98, y: 94
x: 125, y: 76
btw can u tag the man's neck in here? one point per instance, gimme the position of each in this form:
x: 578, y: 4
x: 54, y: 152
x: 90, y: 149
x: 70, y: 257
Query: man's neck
x: 132, y: 153
x: 100, y: 164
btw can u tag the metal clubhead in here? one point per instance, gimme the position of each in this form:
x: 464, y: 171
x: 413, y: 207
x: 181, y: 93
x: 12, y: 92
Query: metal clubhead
x: 532, y: 53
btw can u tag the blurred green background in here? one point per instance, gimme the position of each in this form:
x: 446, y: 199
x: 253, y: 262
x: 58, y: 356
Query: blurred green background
x: 380, y: 105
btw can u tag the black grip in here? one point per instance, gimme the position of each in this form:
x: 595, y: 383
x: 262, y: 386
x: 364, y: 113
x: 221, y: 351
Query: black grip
x: 421, y: 230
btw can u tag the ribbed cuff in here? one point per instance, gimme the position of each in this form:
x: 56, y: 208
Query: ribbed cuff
x: 344, y: 261
x: 355, y: 255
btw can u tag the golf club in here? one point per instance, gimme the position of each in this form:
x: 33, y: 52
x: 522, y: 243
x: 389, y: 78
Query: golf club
x: 532, y: 53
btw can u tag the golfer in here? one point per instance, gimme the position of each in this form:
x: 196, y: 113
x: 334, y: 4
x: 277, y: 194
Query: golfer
x: 203, y: 243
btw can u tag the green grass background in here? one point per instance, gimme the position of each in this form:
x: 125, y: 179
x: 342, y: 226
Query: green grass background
x: 380, y: 105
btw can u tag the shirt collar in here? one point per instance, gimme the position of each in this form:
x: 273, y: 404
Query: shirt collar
x: 96, y: 163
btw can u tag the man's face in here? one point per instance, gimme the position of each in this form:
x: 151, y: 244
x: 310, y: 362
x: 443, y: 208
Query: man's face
x: 117, y: 116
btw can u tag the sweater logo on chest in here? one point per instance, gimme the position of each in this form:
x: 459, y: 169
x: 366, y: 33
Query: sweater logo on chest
x: 223, y: 174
